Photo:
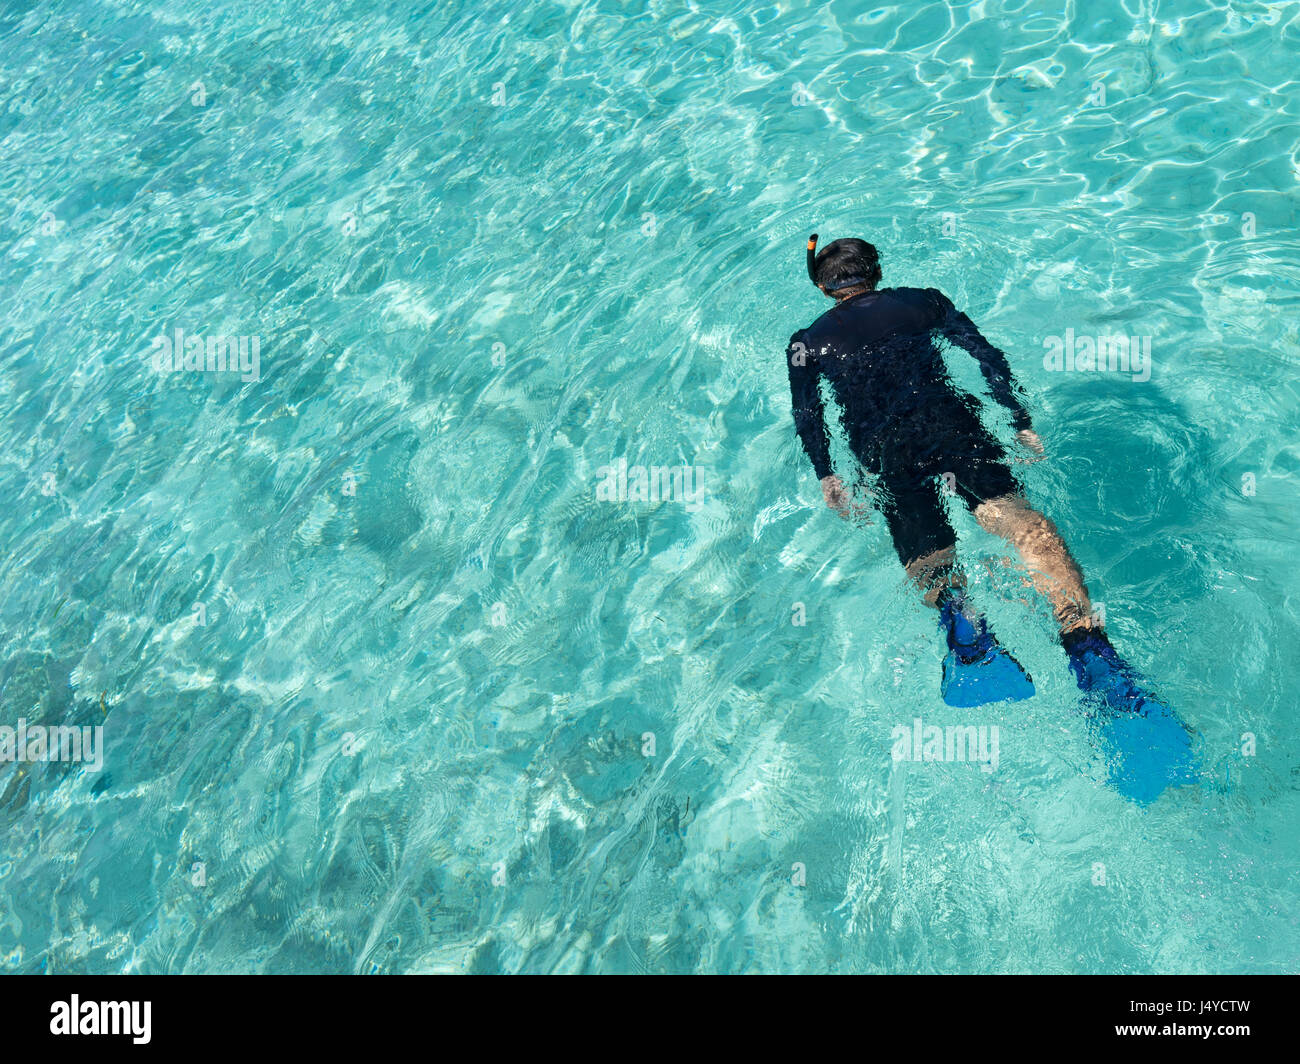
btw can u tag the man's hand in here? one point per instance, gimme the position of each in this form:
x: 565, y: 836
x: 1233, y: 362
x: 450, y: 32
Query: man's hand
x: 835, y: 494
x: 843, y: 502
x: 1029, y: 440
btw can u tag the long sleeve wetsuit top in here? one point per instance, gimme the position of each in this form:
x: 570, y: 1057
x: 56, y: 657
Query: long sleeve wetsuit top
x: 900, y: 409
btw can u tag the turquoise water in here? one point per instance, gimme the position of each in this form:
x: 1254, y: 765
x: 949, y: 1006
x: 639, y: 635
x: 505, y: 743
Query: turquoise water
x: 386, y: 687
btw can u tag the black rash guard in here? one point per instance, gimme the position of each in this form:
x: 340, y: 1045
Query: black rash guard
x: 904, y: 418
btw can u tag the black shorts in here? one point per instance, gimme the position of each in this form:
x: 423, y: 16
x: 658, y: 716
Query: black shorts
x: 914, y: 483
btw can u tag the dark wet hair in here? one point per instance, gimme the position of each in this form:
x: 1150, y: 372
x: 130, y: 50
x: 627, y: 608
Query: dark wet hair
x: 847, y: 263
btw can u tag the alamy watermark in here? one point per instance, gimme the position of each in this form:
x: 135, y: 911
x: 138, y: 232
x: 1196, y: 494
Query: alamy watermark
x: 179, y: 353
x: 77, y: 1017
x: 1099, y: 354
x: 956, y: 742
x: 620, y: 482
x: 65, y: 742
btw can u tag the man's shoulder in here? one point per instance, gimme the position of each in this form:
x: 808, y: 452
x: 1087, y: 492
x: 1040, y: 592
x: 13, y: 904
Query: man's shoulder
x: 821, y: 324
x: 809, y: 332
x: 830, y: 323
x: 810, y: 339
x: 931, y: 296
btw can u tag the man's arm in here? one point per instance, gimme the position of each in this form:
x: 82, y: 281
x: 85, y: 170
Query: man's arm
x: 806, y: 403
x: 810, y: 419
x: 960, y: 330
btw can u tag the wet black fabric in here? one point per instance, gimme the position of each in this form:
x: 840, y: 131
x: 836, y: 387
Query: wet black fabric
x: 905, y: 419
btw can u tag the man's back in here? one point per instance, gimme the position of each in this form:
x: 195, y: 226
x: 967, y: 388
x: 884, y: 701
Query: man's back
x: 878, y: 351
x: 876, y: 315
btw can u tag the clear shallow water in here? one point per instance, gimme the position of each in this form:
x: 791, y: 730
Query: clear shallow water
x: 395, y: 533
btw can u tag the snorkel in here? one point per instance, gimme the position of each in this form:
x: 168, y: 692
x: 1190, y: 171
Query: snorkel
x: 830, y: 290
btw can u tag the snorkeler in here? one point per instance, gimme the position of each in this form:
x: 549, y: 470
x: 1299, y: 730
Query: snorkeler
x: 909, y: 426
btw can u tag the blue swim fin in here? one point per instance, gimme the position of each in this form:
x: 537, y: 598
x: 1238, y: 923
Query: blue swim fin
x: 977, y: 670
x: 1146, y: 746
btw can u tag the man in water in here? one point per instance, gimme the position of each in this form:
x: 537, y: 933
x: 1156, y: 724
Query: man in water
x: 908, y: 425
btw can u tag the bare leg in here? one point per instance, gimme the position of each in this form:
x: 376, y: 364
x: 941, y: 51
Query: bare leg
x: 1051, y: 568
